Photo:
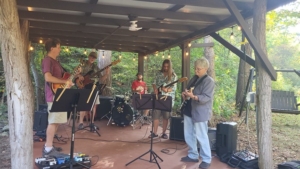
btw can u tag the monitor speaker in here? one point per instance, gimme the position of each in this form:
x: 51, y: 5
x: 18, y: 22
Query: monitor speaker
x: 176, y: 129
x: 40, y: 120
x: 226, y: 138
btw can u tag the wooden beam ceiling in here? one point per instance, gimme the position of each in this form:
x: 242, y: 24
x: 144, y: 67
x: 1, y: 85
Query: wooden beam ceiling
x: 204, y: 3
x: 116, y: 10
x: 54, y: 33
x: 101, y: 30
x: 104, y: 21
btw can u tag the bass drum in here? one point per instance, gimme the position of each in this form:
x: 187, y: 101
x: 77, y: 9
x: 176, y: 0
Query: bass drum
x: 122, y: 114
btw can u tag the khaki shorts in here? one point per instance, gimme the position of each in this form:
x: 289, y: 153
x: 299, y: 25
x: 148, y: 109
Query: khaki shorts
x: 97, y: 100
x: 56, y: 117
x: 157, y: 113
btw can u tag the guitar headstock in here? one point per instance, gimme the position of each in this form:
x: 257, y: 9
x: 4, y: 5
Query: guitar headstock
x: 182, y: 79
x: 116, y: 62
x: 192, y: 88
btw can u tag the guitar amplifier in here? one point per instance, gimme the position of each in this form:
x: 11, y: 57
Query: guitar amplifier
x: 226, y: 138
x: 176, y: 129
x: 40, y: 120
x: 177, y: 132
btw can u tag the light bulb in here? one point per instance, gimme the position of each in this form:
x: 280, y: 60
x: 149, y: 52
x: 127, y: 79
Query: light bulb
x: 145, y: 57
x: 231, y: 35
x: 189, y: 45
x: 239, y: 28
x: 31, y: 48
x: 41, y: 41
x: 186, y: 53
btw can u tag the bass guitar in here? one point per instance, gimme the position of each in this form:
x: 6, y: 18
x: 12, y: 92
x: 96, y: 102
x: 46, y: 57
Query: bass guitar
x: 88, y: 76
x: 66, y: 76
x: 170, y: 84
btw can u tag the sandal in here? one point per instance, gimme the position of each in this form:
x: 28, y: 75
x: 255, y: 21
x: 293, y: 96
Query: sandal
x: 152, y: 135
x: 164, y: 136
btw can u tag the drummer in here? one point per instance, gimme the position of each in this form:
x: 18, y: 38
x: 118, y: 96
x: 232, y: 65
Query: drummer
x: 139, y: 87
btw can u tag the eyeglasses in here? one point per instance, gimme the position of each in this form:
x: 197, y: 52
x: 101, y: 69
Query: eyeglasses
x: 198, y: 69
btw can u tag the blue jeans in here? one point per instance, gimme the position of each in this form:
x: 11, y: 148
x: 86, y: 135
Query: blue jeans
x: 192, y: 133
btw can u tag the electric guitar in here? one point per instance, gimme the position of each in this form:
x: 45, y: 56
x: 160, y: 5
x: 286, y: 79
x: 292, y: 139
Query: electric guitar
x: 89, y: 75
x: 66, y: 76
x: 185, y: 102
x: 170, y: 84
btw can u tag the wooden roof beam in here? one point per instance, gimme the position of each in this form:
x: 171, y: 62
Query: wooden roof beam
x: 116, y: 10
x: 54, y: 33
x: 104, y: 21
x: 204, y: 3
x: 101, y: 30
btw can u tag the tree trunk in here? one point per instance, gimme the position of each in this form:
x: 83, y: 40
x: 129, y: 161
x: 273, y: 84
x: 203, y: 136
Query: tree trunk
x: 3, y: 97
x: 209, y: 54
x: 18, y: 87
x: 263, y: 90
x: 102, y: 63
x: 244, y: 70
x: 38, y: 94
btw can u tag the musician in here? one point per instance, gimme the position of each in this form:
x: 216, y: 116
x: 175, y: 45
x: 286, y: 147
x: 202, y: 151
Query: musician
x: 139, y: 87
x: 53, y: 73
x: 90, y: 65
x: 165, y: 76
x: 195, y: 122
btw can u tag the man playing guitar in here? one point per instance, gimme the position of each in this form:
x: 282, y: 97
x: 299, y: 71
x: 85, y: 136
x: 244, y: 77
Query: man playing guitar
x: 90, y: 65
x: 139, y: 87
x: 53, y: 73
x: 164, y: 76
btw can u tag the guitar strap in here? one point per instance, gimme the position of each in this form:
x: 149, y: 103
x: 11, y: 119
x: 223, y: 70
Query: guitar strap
x: 187, y: 108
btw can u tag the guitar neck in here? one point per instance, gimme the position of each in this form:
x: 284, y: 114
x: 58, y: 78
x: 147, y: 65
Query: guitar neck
x: 101, y: 70
x: 168, y: 85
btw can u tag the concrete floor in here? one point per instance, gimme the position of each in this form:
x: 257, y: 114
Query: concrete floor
x: 119, y: 145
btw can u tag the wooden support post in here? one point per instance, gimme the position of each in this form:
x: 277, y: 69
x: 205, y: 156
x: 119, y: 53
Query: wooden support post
x: 20, y: 99
x: 185, y: 67
x: 141, y: 63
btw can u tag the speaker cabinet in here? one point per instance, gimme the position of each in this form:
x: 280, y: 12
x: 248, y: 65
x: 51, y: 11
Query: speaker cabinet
x: 177, y: 132
x: 176, y: 129
x: 43, y: 107
x: 226, y: 138
x: 40, y: 120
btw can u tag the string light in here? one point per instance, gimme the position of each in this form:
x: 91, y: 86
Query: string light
x: 156, y: 54
x: 103, y: 54
x: 163, y: 56
x: 41, y: 41
x: 85, y: 51
x: 145, y: 57
x: 186, y: 53
x: 67, y: 49
x: 239, y: 28
x: 31, y: 48
x: 169, y: 56
x: 120, y: 56
x: 133, y: 59
x: 189, y: 45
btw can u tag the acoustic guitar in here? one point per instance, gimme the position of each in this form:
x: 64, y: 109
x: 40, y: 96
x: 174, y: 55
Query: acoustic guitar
x: 170, y: 84
x: 88, y: 76
x: 66, y: 76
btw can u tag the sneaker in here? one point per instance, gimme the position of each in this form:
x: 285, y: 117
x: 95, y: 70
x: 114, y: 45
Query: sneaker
x: 188, y: 159
x: 152, y: 135
x: 164, y: 136
x: 204, y: 165
x: 80, y: 127
x: 53, y: 153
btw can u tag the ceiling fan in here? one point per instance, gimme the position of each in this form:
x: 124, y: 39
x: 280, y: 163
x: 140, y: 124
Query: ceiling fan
x: 133, y: 21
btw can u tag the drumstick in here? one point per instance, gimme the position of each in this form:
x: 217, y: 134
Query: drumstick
x: 94, y: 86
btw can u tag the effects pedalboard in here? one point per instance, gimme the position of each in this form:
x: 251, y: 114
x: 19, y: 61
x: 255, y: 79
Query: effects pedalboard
x: 245, y: 155
x: 62, y: 162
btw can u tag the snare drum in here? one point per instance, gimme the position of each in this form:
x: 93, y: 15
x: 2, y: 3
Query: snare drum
x: 122, y: 114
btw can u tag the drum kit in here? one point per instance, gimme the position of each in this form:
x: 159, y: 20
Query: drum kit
x: 123, y: 114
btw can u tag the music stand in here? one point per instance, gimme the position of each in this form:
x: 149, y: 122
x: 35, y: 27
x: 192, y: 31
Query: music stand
x: 73, y: 100
x: 143, y: 102
x: 92, y: 126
